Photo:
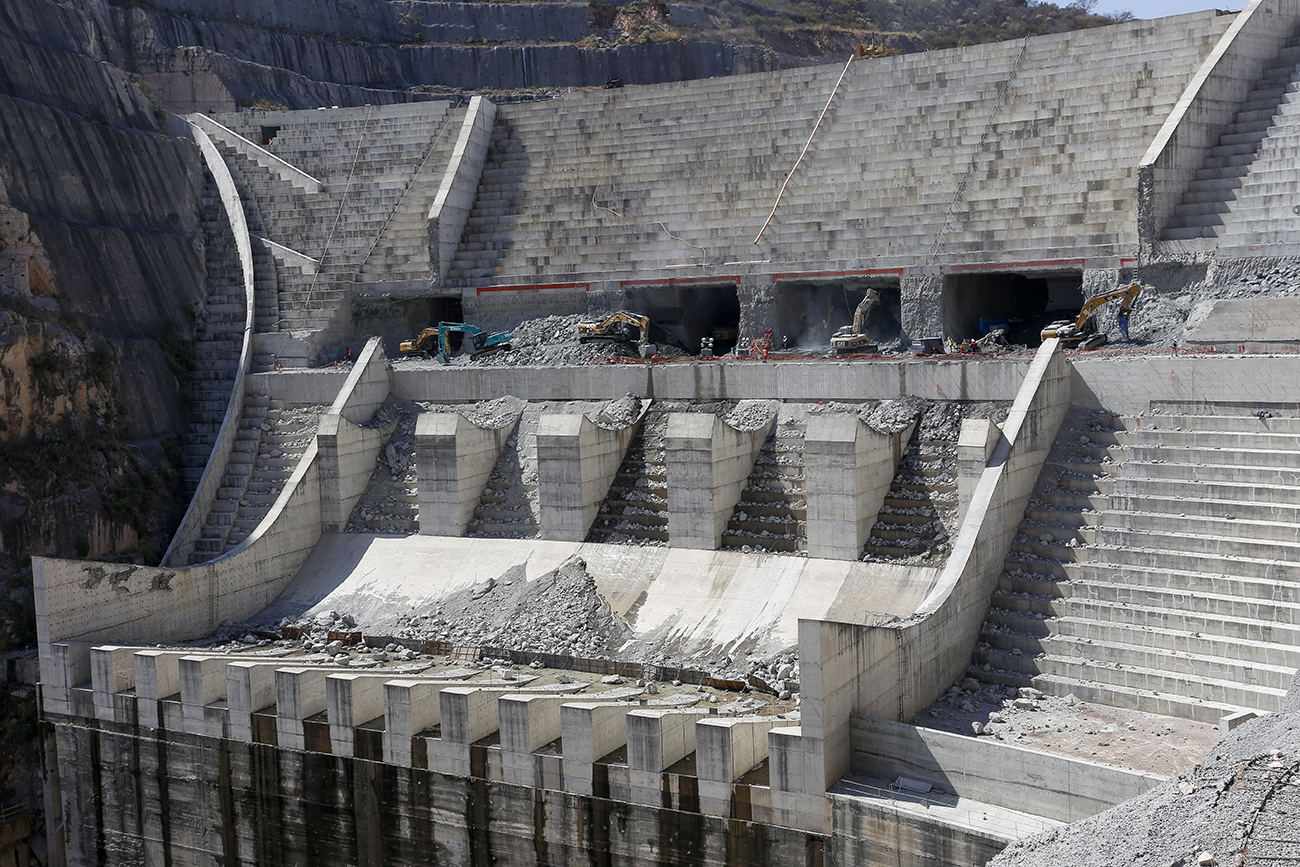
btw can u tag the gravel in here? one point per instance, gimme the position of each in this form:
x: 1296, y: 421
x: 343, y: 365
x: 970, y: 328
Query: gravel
x: 1161, y: 317
x: 1237, y: 807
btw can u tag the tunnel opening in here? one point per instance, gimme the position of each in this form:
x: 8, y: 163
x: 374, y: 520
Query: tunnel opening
x: 809, y: 312
x: 1023, y: 303
x: 691, y: 312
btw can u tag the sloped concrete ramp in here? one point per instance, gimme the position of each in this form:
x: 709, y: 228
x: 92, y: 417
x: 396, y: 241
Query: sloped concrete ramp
x: 696, y: 602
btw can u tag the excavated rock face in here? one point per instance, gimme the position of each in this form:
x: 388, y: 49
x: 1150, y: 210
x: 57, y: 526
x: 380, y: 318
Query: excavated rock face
x: 1237, y: 807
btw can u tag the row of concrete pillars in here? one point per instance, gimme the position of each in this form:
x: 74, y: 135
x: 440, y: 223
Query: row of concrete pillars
x: 848, y: 469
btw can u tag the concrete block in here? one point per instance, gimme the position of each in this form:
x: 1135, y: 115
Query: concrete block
x: 112, y: 670
x: 725, y: 750
x: 157, y: 676
x: 299, y: 694
x: 202, y: 682
x: 708, y: 464
x: 1228, y: 722
x: 589, y: 732
x: 410, y: 707
x: 975, y: 446
x: 849, y: 468
x: 657, y: 739
x: 576, y: 462
x: 453, y: 458
x: 352, y: 699
x: 250, y: 687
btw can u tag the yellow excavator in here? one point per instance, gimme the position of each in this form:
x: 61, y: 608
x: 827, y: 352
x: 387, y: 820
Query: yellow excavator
x: 620, y: 325
x: 1082, y: 332
x: 853, y: 338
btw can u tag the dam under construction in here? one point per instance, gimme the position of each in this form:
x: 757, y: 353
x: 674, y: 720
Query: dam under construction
x: 562, y: 603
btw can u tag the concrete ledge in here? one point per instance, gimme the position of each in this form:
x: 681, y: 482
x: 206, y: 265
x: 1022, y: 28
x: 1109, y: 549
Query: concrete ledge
x: 991, y: 379
x: 260, y: 155
x: 993, y: 772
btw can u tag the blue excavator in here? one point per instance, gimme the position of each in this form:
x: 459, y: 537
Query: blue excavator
x: 437, y: 339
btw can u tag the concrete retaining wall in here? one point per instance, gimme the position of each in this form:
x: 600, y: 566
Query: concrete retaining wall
x: 1207, y: 105
x: 894, y: 671
x: 196, y: 516
x: 993, y: 772
x: 455, y: 198
x: 724, y: 380
x: 1128, y: 385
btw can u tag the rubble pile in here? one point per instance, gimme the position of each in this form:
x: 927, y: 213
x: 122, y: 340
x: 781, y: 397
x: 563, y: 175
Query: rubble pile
x: 562, y: 612
x: 1237, y: 807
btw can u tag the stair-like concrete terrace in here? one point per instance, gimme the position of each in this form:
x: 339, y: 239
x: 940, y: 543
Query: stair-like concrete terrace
x: 1167, y: 578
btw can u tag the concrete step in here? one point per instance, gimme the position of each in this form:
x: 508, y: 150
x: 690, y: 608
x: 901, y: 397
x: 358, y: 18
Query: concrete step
x: 1180, y: 559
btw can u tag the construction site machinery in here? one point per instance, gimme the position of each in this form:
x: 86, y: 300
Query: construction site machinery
x: 854, y: 338
x: 621, y: 326
x: 436, y: 340
x: 1082, y: 333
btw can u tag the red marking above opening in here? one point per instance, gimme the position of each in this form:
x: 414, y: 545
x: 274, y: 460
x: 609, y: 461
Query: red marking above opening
x: 821, y: 275
x: 532, y: 287
x: 1041, y: 265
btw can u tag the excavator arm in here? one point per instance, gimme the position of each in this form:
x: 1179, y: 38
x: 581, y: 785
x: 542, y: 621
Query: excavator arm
x: 1082, y: 333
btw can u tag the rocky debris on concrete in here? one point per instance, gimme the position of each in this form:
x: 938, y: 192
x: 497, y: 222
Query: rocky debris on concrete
x: 750, y: 415
x: 617, y: 414
x: 390, y: 503
x: 1238, y: 807
x: 547, y: 341
x: 1068, y: 726
x: 493, y: 414
x: 892, y: 416
x: 1160, y: 317
x: 562, y: 612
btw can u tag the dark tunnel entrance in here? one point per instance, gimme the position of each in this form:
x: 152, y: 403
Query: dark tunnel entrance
x: 691, y: 312
x: 809, y: 312
x: 1022, y: 302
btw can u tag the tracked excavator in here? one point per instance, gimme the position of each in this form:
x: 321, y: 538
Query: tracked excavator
x: 436, y: 340
x: 1082, y: 333
x: 852, y: 338
x: 620, y: 325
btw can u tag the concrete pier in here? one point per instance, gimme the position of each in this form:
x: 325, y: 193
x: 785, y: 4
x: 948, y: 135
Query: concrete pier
x: 709, y: 462
x: 454, y: 458
x: 576, y: 461
x: 848, y: 467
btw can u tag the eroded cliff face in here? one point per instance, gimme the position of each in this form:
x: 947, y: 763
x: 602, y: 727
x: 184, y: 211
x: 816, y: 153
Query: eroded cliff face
x: 101, y: 275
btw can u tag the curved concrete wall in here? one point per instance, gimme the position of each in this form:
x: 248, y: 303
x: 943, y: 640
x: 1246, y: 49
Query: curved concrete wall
x: 201, y: 503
